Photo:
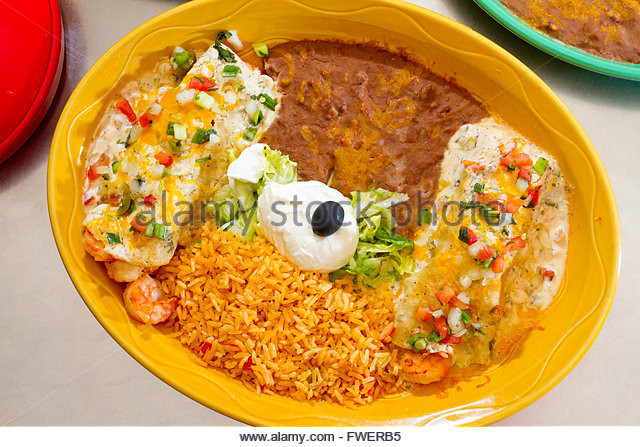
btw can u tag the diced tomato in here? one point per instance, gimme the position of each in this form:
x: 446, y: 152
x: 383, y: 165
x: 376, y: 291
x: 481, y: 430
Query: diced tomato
x: 496, y: 311
x: 534, y: 195
x: 497, y: 266
x: 483, y: 198
x: 87, y: 199
x: 485, y: 253
x: 473, y: 238
x: 205, y: 347
x: 548, y: 275
x: 150, y: 200
x: 114, y: 199
x: 124, y: 107
x: 423, y: 314
x: 522, y: 160
x: 201, y: 83
x: 441, y: 326
x: 452, y: 339
x: 525, y: 174
x: 145, y: 119
x: 247, y: 365
x: 164, y: 159
x: 387, y: 331
x: 139, y: 223
x: 519, y: 160
x: 512, y: 206
x: 445, y: 294
x: 92, y: 173
x: 514, y: 244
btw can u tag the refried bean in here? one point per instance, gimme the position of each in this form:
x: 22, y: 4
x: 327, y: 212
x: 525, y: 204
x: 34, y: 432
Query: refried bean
x: 606, y: 28
x: 369, y: 116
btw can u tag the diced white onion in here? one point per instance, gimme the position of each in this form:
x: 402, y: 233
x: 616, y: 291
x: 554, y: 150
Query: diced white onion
x: 178, y: 50
x: 464, y: 298
x: 437, y: 314
x: 235, y: 41
x: 454, y: 319
x: 186, y: 96
x: 156, y: 171
x: 102, y: 170
x: 475, y: 248
x: 155, y: 108
x: 213, y: 138
x: 465, y: 281
x: 134, y: 134
x: 522, y: 184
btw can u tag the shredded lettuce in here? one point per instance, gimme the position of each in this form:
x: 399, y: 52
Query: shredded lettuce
x: 235, y: 205
x: 382, y: 255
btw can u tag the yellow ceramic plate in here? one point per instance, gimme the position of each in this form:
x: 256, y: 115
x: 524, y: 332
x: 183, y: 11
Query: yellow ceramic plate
x: 450, y: 49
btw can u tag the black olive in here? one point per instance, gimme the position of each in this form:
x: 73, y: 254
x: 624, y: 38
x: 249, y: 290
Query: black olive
x: 327, y: 218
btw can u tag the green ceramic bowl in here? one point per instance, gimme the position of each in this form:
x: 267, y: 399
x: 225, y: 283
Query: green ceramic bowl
x: 556, y: 48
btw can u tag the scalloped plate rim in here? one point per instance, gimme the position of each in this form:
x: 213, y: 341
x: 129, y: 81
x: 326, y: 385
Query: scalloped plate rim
x: 568, y: 53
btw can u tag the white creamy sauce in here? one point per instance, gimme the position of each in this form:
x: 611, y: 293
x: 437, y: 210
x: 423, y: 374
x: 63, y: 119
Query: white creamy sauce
x: 284, y: 213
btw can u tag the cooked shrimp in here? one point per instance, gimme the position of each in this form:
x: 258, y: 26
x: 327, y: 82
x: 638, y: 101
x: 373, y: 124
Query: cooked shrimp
x: 95, y: 247
x: 424, y: 368
x: 145, y: 301
x: 122, y: 271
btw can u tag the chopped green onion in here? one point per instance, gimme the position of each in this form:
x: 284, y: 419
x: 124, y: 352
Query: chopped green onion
x: 115, y: 166
x: 541, y: 165
x: 420, y: 344
x: 257, y: 116
x: 187, y: 59
x: 230, y: 71
x: 463, y: 235
x: 261, y: 49
x: 170, y: 128
x: 250, y: 133
x: 165, y: 172
x: 159, y: 231
x: 417, y: 341
x: 179, y: 131
x: 240, y: 88
x: 511, y: 167
x: 149, y: 230
x: 223, y: 53
x: 202, y: 135
x: 175, y: 146
x: 479, y: 188
x: 491, y: 216
x: 203, y: 100
x: 113, y: 238
x: 203, y: 159
x: 424, y: 217
x: 466, y: 318
x: 434, y: 337
x: 181, y: 57
x: 268, y: 101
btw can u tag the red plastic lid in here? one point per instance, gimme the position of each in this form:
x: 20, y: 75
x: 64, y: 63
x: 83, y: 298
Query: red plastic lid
x: 32, y: 51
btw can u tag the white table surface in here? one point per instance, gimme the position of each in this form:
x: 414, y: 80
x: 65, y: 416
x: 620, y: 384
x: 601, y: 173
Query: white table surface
x: 59, y: 367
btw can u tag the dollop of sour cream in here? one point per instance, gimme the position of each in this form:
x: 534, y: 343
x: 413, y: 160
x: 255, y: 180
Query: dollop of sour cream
x: 284, y: 213
x: 249, y: 166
